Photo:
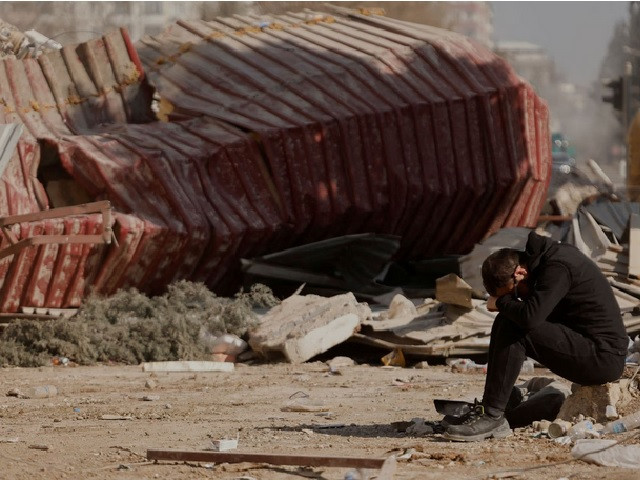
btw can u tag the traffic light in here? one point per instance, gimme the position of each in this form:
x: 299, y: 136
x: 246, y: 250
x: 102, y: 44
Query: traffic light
x: 616, y: 97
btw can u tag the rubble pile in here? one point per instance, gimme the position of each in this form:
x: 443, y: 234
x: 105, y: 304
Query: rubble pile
x: 30, y: 44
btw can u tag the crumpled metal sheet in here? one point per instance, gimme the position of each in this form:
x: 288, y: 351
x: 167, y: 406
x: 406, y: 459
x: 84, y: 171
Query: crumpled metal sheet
x: 302, y: 128
x: 367, y: 123
x: 200, y: 190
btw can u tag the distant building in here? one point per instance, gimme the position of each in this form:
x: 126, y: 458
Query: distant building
x: 70, y: 22
x: 472, y: 19
x: 530, y: 61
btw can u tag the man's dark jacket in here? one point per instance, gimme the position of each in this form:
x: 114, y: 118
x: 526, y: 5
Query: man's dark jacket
x: 567, y: 287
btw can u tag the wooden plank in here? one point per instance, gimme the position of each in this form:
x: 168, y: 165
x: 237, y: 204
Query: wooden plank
x: 187, y: 366
x: 634, y: 244
x: 626, y: 287
x: 84, y: 209
x: 626, y: 302
x: 270, y: 458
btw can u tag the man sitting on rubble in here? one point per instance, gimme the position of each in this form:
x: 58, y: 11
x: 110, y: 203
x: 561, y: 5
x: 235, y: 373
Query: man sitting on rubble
x: 554, y: 306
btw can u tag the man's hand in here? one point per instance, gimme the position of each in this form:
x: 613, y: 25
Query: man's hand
x: 491, y: 304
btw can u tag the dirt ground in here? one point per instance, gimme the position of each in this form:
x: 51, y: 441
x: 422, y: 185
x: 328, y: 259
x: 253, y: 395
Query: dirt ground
x: 187, y: 411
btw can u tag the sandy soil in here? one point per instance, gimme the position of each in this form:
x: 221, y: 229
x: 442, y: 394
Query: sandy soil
x: 187, y: 411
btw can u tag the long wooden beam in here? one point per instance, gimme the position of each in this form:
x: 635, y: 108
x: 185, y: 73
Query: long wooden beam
x: 385, y: 464
x: 83, y: 209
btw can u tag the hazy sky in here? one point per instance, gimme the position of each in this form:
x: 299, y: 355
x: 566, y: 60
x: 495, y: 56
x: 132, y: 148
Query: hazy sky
x: 575, y: 34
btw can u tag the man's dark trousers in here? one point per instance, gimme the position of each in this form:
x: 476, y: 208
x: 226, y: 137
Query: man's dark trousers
x: 562, y: 350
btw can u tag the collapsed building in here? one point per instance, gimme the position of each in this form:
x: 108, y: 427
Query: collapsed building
x: 141, y: 164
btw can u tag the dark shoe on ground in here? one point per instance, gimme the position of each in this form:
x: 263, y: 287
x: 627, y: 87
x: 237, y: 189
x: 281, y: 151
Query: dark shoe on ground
x: 478, y: 426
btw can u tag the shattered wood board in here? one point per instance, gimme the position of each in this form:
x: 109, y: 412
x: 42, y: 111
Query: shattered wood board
x: 468, y: 347
x: 461, y: 324
x: 614, y: 262
x: 303, y: 326
x: 625, y: 301
x: 420, y: 325
x: 622, y: 284
x: 387, y: 324
x: 632, y: 324
x: 452, y: 323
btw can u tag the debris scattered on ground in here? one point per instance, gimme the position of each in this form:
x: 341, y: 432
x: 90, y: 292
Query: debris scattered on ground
x: 608, y: 453
x: 41, y: 391
x: 39, y: 446
x: 438, y: 329
x: 227, y: 347
x: 466, y: 365
x: 223, y: 445
x: 115, y: 417
x: 395, y: 358
x: 302, y: 402
x: 150, y: 384
x: 338, y: 363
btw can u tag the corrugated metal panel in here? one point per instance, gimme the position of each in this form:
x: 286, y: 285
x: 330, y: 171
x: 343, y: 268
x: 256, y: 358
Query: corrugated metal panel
x: 201, y: 189
x: 308, y: 128
x: 411, y: 130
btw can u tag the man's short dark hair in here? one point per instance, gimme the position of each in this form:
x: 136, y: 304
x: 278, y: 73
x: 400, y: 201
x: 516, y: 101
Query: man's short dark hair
x: 499, y: 267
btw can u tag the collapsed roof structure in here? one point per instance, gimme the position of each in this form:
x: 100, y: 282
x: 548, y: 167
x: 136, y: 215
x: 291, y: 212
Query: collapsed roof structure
x: 271, y: 132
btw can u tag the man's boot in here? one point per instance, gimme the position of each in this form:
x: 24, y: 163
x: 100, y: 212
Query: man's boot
x: 478, y: 425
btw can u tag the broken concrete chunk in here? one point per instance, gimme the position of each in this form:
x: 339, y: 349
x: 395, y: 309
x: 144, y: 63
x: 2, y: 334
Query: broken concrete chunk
x: 302, y: 327
x: 15, y: 392
x: 187, y: 366
x: 401, y: 307
x: 228, y: 344
x: 337, y: 363
x: 592, y: 401
x: 41, y: 391
x: 453, y: 290
x: 150, y: 384
x: 224, y: 445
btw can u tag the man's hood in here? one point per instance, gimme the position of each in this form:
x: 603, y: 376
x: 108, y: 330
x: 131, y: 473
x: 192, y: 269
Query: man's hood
x: 537, y: 246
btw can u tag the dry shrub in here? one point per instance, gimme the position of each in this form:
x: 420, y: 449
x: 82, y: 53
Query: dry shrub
x: 130, y: 327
